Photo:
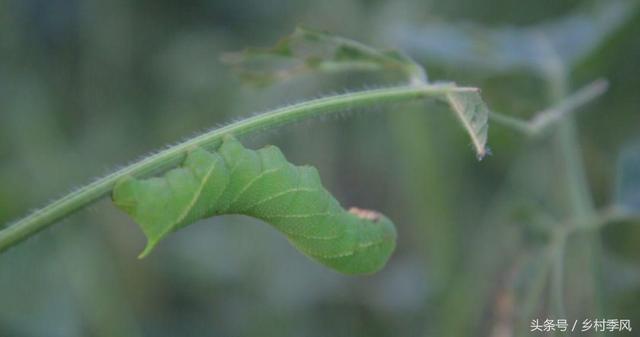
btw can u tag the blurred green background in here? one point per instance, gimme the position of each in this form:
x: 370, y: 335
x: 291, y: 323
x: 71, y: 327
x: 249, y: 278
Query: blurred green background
x: 87, y: 85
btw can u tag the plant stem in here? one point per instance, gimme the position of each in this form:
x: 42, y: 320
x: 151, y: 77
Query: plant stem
x: 173, y: 155
x: 568, y: 104
x: 514, y: 123
x: 602, y: 218
x: 564, y: 106
x: 579, y: 197
x: 557, y: 281
x: 566, y: 138
x: 531, y: 301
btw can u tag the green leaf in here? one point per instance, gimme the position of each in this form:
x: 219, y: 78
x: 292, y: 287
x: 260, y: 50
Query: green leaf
x: 260, y: 184
x: 473, y: 113
x: 628, y: 179
x: 311, y: 51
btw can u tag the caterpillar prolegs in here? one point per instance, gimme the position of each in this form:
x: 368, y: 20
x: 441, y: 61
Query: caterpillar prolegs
x: 261, y: 184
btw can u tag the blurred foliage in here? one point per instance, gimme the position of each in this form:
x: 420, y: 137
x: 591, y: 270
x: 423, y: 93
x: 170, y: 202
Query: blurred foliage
x: 310, y: 51
x: 87, y: 85
x: 628, y: 182
x: 508, y: 48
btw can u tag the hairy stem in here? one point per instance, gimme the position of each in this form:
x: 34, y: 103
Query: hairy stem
x: 173, y: 155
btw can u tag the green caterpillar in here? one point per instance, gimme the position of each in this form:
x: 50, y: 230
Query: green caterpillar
x: 264, y: 185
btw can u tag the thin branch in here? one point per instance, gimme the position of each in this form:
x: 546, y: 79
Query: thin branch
x: 511, y: 122
x: 48, y: 215
x: 556, y: 291
x: 602, y: 218
x: 543, y: 120
x: 570, y: 104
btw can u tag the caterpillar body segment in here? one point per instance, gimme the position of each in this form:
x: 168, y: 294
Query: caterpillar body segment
x: 261, y: 184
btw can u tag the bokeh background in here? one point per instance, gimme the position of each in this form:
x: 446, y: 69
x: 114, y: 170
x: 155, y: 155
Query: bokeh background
x: 86, y: 86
